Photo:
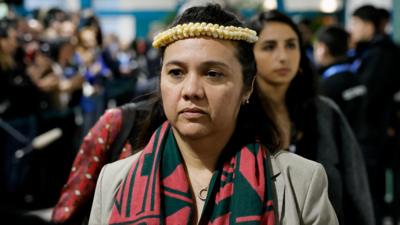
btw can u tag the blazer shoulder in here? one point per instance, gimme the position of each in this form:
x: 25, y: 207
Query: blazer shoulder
x: 296, y: 163
x: 297, y: 173
x: 118, y: 170
x: 301, y: 187
x: 110, y: 178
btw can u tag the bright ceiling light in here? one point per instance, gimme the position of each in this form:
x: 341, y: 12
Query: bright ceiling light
x: 3, y: 10
x: 270, y: 4
x: 329, y: 6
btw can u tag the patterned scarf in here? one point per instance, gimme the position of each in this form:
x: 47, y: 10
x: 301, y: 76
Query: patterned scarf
x: 157, y: 189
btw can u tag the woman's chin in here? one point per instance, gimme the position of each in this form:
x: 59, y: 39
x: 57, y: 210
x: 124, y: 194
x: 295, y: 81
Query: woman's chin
x: 192, y: 131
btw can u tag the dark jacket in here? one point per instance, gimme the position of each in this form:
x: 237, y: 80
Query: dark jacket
x: 339, y: 153
x: 340, y: 83
x: 380, y: 73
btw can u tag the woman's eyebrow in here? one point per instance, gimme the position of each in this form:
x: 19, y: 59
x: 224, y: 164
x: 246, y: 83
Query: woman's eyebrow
x: 269, y: 41
x: 174, y: 62
x: 206, y: 63
x: 216, y: 63
x: 291, y: 39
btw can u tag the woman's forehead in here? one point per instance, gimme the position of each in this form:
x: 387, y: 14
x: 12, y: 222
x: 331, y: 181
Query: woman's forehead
x: 277, y: 30
x: 202, y: 49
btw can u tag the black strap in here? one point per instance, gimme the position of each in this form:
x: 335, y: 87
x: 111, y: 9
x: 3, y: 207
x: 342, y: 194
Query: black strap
x: 129, y: 112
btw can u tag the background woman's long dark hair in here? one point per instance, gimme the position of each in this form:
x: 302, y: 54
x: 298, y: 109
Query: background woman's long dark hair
x: 247, y: 123
x: 301, y: 94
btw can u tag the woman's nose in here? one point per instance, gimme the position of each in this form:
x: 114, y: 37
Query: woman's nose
x: 193, y: 87
x: 282, y: 55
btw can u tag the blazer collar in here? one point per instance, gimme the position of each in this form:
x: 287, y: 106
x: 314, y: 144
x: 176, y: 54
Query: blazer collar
x: 277, y: 179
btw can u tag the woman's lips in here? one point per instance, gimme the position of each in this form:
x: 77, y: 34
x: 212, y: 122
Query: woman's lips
x: 282, y: 71
x: 192, y: 113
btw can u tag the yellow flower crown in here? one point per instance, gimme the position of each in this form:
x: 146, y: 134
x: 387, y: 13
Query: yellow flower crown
x: 189, y: 30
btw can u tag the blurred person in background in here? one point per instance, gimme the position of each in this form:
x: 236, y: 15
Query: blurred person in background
x: 309, y: 125
x: 148, y: 61
x: 305, y: 28
x: 377, y: 58
x: 337, y: 78
x: 18, y: 125
x: 15, y: 84
x: 120, y: 58
x: 385, y: 21
x: 52, y: 163
x: 393, y: 144
x: 96, y: 72
x: 42, y: 74
x: 29, y: 40
x: 71, y: 79
x: 89, y: 19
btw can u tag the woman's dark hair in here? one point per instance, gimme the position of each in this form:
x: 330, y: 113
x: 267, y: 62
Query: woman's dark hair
x: 213, y: 13
x: 335, y: 38
x: 302, y: 91
x: 88, y: 19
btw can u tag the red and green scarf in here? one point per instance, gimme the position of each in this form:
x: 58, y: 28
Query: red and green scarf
x: 157, y: 189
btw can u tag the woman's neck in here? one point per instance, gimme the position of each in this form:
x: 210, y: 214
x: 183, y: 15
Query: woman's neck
x: 200, y: 157
x: 274, y: 95
x: 201, y: 154
x: 274, y: 99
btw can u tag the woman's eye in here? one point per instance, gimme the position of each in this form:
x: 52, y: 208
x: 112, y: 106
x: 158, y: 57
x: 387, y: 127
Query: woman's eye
x: 268, y: 47
x: 213, y: 73
x: 175, y: 72
x: 292, y: 45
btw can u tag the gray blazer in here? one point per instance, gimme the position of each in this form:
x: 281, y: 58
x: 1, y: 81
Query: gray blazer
x: 301, y: 190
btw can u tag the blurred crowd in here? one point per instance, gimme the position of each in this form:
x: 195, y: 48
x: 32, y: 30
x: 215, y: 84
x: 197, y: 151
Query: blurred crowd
x: 58, y: 72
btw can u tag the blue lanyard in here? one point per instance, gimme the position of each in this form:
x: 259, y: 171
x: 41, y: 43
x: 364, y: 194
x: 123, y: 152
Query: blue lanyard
x: 356, y: 65
x: 333, y: 70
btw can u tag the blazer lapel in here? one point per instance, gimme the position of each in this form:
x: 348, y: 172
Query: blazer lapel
x: 277, y: 179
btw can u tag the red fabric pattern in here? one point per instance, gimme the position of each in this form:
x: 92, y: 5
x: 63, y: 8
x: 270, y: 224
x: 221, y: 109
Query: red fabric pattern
x: 156, y: 189
x: 91, y: 157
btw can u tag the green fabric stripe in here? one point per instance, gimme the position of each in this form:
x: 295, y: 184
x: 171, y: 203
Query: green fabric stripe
x: 221, y: 209
x: 116, y: 202
x: 172, y: 157
x: 170, y: 161
x: 174, y: 205
x: 158, y: 161
x: 128, y: 208
x: 210, y: 197
x: 185, y: 194
x: 246, y: 198
x: 150, y: 165
x: 136, y: 220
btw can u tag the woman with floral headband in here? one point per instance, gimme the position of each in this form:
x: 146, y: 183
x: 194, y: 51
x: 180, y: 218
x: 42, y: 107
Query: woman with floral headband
x: 203, y: 164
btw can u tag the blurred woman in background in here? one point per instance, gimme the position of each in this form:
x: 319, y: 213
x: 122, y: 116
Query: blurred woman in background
x: 310, y: 125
